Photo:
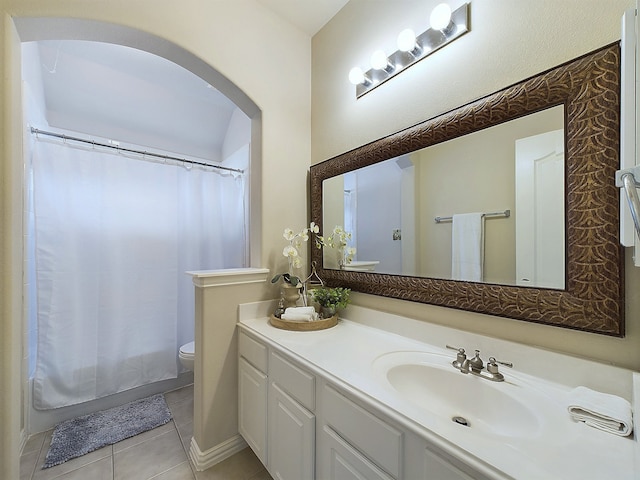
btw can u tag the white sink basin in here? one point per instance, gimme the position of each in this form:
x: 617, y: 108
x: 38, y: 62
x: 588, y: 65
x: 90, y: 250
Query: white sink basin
x: 430, y: 382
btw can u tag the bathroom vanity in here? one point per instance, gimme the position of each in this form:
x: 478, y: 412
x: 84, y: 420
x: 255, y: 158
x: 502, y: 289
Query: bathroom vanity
x: 377, y: 397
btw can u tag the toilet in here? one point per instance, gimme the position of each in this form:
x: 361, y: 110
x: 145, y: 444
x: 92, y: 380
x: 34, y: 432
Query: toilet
x: 187, y: 355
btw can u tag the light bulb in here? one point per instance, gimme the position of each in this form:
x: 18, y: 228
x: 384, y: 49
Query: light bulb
x: 379, y: 60
x: 440, y: 17
x: 407, y: 40
x: 356, y: 76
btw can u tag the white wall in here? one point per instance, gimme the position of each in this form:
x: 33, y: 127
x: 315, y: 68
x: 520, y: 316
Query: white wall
x: 509, y: 41
x: 238, y: 134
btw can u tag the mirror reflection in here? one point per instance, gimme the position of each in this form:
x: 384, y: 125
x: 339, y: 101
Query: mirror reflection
x: 485, y: 207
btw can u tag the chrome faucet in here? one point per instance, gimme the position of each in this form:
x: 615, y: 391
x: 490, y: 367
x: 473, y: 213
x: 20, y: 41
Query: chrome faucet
x: 475, y: 365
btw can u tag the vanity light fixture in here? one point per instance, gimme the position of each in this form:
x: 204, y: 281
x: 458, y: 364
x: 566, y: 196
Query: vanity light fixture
x: 407, y: 42
x: 380, y: 61
x: 440, y: 18
x: 357, y: 76
x: 445, y: 27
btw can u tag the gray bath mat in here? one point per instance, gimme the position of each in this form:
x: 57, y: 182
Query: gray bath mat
x: 85, y: 434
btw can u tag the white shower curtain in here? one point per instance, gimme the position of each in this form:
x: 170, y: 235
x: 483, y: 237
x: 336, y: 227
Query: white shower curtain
x: 113, y: 238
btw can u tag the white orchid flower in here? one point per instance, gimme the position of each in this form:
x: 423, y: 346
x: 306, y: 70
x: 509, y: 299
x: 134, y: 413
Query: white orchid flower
x: 288, y: 234
x: 290, y: 251
x: 314, y: 228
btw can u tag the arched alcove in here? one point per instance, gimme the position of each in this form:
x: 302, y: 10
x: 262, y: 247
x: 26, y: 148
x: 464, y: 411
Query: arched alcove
x: 39, y: 28
x: 34, y: 29
x: 52, y: 28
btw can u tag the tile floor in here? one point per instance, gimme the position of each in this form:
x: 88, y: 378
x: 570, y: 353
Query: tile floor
x: 159, y: 454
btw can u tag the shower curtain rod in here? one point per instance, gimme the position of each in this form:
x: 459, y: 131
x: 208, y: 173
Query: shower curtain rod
x: 37, y: 132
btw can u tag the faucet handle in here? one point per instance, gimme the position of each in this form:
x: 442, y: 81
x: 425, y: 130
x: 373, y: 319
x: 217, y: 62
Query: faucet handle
x: 493, y: 362
x: 492, y: 368
x: 460, y: 350
x: 461, y: 357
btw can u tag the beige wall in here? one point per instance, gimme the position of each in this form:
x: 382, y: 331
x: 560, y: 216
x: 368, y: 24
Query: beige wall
x: 509, y: 41
x: 216, y: 361
x: 265, y: 57
x: 11, y: 421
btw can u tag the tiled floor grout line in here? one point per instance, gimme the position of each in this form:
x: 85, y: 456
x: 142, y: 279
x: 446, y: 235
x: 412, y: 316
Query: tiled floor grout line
x: 35, y: 464
x: 184, y: 448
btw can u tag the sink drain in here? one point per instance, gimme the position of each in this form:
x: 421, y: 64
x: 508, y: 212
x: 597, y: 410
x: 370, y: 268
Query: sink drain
x: 461, y: 421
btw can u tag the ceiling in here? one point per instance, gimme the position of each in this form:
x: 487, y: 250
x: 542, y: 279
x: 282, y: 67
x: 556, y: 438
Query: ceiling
x: 128, y: 95
x: 308, y: 15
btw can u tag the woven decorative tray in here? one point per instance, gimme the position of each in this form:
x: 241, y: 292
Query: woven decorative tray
x: 304, y: 326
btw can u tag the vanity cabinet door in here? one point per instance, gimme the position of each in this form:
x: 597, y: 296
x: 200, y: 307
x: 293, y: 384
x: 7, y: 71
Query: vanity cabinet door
x: 362, y: 428
x: 252, y: 407
x: 437, y: 468
x: 339, y: 460
x: 426, y: 461
x: 291, y: 437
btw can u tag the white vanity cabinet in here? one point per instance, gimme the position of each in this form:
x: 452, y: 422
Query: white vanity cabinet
x: 276, y: 399
x: 252, y: 394
x: 424, y: 461
x: 316, y: 429
x: 355, y: 443
x: 358, y: 442
x: 291, y: 421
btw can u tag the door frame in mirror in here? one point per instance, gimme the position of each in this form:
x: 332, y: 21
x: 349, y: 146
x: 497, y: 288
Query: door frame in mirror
x: 593, y: 297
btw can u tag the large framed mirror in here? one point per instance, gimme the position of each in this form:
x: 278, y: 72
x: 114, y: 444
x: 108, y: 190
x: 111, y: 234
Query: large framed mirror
x: 535, y: 162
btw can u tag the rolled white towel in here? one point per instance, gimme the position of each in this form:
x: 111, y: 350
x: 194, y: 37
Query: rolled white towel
x: 296, y: 317
x: 601, y: 410
x: 301, y: 310
x: 307, y: 311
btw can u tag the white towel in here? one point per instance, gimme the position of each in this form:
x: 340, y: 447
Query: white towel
x: 300, y: 314
x: 297, y: 317
x: 467, y: 247
x: 301, y: 310
x: 601, y: 410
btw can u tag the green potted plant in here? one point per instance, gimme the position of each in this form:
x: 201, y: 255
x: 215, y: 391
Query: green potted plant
x: 331, y: 299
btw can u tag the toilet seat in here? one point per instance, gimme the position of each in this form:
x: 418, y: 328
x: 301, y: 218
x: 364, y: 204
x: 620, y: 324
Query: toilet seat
x: 188, y: 349
x: 187, y: 355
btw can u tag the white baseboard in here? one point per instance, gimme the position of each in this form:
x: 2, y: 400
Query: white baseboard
x: 203, y: 460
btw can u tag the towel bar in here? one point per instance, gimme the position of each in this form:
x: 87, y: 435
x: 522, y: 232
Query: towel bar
x: 506, y: 214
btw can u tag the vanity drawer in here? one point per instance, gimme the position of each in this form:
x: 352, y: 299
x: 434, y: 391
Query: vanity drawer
x: 292, y: 379
x: 253, y: 351
x: 375, y: 439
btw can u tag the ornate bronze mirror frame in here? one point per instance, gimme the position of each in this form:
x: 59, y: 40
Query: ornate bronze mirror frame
x: 593, y: 297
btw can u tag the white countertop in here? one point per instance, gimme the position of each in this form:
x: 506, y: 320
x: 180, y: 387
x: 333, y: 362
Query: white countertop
x: 562, y: 450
